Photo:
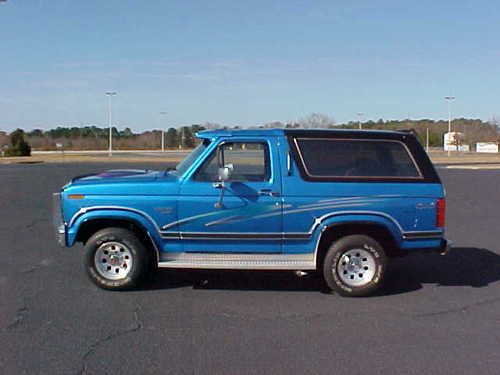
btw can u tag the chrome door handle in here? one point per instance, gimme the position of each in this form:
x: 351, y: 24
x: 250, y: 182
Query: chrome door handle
x: 268, y: 192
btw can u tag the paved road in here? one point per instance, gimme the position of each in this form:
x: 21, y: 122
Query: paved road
x: 437, y: 315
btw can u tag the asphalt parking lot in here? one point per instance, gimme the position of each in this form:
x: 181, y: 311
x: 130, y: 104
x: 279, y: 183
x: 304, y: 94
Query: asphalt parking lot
x: 436, y: 315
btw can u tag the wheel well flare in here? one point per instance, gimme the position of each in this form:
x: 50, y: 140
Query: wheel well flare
x: 89, y: 227
x: 378, y: 232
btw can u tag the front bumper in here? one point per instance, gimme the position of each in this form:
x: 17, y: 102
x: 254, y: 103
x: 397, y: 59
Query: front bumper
x: 61, y: 235
x: 57, y: 219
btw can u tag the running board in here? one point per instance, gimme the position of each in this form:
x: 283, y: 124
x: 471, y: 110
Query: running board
x: 238, y: 261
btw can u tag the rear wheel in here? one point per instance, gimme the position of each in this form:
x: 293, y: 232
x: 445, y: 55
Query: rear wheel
x: 116, y: 259
x: 354, y: 266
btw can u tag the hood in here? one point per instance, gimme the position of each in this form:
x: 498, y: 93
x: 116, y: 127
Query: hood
x: 119, y: 175
x: 125, y: 182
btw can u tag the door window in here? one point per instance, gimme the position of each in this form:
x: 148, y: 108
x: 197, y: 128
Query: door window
x: 249, y: 160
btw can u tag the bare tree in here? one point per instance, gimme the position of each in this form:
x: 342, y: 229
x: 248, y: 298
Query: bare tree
x: 211, y: 125
x: 274, y: 125
x: 495, y: 121
x: 317, y: 120
x: 4, y: 138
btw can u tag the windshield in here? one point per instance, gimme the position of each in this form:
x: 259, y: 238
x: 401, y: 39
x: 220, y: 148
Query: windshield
x: 184, y: 165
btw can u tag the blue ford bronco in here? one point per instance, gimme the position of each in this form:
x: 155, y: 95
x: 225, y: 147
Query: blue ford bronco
x: 340, y: 202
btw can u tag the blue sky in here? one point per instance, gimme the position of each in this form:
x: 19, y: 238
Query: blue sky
x: 245, y: 62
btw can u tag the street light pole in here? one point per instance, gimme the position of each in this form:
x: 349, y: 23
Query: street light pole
x: 359, y: 119
x: 449, y: 99
x: 427, y: 140
x: 163, y: 134
x: 181, y: 138
x: 110, y: 94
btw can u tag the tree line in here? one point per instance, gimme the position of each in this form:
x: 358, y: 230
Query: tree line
x: 95, y: 138
x: 473, y: 130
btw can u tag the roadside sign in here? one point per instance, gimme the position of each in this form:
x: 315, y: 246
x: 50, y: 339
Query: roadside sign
x: 452, y: 141
x: 489, y: 147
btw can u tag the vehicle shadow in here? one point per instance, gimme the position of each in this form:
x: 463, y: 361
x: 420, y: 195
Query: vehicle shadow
x: 236, y: 280
x: 462, y: 266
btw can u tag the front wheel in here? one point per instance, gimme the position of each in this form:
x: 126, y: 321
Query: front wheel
x: 115, y: 259
x: 354, y: 266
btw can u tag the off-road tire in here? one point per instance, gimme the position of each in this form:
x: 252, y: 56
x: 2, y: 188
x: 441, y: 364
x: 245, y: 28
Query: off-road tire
x: 120, y: 246
x: 349, y: 260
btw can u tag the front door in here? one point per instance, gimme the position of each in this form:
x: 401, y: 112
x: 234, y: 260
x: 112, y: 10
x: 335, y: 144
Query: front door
x: 247, y: 218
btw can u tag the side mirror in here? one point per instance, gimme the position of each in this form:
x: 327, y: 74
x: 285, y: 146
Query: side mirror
x: 225, y: 172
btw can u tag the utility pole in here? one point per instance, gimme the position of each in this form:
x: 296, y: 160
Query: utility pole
x: 449, y: 99
x: 110, y: 94
x: 360, y: 115
x: 163, y: 134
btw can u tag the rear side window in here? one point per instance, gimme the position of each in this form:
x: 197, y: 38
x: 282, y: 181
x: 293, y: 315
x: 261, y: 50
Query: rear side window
x: 356, y: 158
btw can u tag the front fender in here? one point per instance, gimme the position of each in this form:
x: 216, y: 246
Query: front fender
x: 93, y: 213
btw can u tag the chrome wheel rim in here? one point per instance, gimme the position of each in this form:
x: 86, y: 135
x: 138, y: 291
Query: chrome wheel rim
x: 356, y: 267
x: 113, y: 260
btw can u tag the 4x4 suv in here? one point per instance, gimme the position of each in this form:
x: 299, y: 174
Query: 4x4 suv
x: 340, y: 202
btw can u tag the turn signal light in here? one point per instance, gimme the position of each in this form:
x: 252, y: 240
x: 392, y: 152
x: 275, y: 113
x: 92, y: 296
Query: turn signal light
x: 76, y: 196
x: 440, y: 212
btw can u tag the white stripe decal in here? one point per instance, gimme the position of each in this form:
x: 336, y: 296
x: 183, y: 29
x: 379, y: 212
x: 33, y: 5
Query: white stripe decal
x: 316, y: 223
x: 84, y: 210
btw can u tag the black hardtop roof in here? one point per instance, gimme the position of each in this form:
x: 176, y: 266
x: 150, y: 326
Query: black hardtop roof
x: 311, y: 133
x: 347, y: 133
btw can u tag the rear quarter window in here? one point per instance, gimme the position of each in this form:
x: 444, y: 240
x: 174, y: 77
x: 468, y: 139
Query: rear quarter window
x: 356, y: 159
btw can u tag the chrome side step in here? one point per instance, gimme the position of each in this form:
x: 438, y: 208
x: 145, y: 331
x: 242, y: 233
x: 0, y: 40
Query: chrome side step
x: 238, y: 261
